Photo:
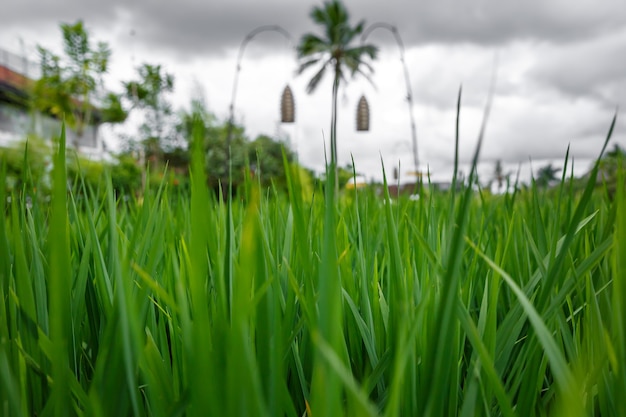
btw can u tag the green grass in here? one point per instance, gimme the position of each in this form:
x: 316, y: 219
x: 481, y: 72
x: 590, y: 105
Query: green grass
x: 458, y: 304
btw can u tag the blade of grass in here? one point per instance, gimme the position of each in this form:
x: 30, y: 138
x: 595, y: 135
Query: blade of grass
x: 198, y: 364
x: 562, y: 374
x: 556, y: 266
x: 619, y: 293
x: 440, y: 352
x: 59, y: 285
x: 325, y: 387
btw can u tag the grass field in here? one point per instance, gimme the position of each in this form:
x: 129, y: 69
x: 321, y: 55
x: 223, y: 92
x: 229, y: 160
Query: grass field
x: 458, y: 304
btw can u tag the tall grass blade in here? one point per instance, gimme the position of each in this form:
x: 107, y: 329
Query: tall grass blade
x: 442, y: 349
x: 326, y: 392
x: 202, y: 376
x: 619, y: 293
x: 59, y: 286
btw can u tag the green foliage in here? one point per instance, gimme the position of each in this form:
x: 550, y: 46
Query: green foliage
x: 274, y: 304
x: 305, y: 180
x: 220, y: 169
x: 59, y: 285
x: 617, y: 384
x: 266, y: 159
x: 126, y: 175
x: 29, y: 164
x: 91, y: 172
x: 336, y: 49
x: 112, y: 110
x: 149, y: 94
x: 610, y: 168
x: 547, y: 175
x: 262, y: 156
x: 68, y: 86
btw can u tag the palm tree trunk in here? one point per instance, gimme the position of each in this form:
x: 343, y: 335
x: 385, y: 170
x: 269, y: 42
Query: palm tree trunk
x: 333, y: 131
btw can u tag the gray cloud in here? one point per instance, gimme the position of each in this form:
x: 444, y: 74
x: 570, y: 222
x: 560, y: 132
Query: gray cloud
x: 195, y: 27
x: 189, y: 28
x: 33, y: 12
x: 496, y: 23
x: 594, y: 68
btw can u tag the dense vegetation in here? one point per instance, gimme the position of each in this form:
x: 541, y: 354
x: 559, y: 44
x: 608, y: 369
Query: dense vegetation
x: 457, y: 304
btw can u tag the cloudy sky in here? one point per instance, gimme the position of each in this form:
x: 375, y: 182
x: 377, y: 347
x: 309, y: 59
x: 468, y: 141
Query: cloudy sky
x: 560, y: 65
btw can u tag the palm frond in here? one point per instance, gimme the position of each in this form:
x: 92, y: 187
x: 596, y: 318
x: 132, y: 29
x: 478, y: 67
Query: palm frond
x: 355, y: 64
x: 355, y: 59
x: 319, y: 16
x: 358, y: 29
x: 310, y: 88
x: 311, y: 44
x: 307, y: 64
x: 336, y: 22
x: 363, y: 50
x: 336, y: 13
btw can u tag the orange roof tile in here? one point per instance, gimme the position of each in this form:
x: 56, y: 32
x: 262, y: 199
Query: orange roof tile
x: 13, y: 78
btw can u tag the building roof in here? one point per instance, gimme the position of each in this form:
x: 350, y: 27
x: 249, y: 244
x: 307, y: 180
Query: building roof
x: 13, y: 78
x: 13, y: 86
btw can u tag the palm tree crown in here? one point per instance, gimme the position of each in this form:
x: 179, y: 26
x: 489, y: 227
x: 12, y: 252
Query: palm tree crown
x: 334, y: 49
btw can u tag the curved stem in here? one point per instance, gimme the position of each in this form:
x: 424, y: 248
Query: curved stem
x: 409, y: 94
x: 242, y: 48
x: 333, y: 130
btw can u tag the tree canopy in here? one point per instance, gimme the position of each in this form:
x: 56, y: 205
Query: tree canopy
x: 71, y: 87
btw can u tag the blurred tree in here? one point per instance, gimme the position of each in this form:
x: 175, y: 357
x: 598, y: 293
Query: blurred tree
x: 546, y: 175
x: 335, y: 50
x: 610, y: 165
x: 217, y: 162
x: 198, y: 113
x: 149, y: 94
x: 126, y: 175
x: 345, y: 176
x: 264, y: 155
x: 69, y: 87
x: 28, y: 164
x: 266, y: 159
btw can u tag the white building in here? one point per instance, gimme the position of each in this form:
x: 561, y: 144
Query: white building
x: 17, y: 118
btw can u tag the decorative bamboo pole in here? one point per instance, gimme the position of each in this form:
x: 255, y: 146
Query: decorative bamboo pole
x: 409, y: 94
x: 242, y: 48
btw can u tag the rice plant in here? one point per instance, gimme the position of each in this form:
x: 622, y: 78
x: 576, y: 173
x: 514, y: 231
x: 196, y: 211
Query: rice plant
x: 458, y: 304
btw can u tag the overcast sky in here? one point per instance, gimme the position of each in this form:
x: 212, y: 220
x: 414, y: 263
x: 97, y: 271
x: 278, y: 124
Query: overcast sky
x: 561, y: 72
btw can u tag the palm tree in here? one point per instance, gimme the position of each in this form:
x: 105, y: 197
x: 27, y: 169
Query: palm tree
x: 335, y: 51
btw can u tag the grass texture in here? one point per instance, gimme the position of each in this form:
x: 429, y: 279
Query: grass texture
x: 457, y: 304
